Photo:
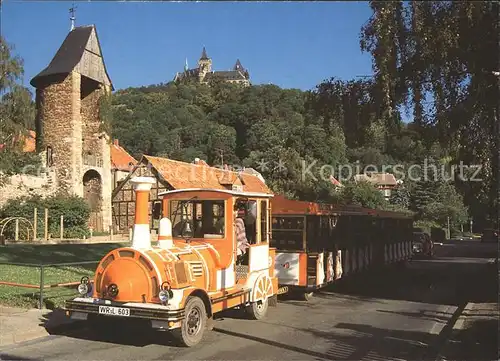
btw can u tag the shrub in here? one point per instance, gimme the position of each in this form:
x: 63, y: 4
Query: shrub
x: 74, y: 209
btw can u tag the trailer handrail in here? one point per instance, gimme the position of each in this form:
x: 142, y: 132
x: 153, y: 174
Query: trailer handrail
x: 47, y: 264
x: 41, y: 286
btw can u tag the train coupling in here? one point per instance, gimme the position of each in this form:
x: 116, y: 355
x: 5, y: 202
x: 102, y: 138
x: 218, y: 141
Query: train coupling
x: 282, y: 290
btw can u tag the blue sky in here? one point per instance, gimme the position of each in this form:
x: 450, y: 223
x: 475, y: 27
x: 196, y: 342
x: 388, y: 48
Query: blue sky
x: 290, y: 44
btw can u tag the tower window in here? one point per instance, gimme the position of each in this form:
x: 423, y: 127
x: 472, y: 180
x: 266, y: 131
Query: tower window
x: 49, y: 156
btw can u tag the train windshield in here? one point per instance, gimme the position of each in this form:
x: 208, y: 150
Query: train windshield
x: 197, y: 218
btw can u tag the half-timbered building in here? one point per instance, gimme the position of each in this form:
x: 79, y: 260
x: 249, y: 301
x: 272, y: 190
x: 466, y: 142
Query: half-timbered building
x: 171, y: 174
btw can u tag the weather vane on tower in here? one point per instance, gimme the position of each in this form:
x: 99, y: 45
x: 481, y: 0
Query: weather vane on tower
x: 72, y: 18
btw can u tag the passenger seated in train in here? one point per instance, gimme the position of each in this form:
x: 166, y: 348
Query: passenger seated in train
x: 182, y: 228
x: 219, y: 226
x: 240, y: 233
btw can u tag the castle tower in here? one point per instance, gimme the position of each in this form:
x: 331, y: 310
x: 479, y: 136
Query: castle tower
x: 241, y: 69
x: 68, y: 123
x: 204, y: 64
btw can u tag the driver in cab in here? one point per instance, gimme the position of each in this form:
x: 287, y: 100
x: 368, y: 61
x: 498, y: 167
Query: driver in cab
x: 240, y: 233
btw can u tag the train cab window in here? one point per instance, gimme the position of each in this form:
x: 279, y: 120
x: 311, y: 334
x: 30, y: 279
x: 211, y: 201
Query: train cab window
x: 157, y: 210
x: 248, y: 211
x: 197, y: 219
x: 156, y: 214
x: 264, y: 225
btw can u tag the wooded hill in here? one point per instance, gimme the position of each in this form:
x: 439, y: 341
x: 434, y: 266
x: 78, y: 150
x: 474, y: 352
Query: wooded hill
x: 434, y: 60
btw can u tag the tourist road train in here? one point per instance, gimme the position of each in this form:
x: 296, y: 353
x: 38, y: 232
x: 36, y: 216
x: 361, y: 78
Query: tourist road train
x: 196, y: 270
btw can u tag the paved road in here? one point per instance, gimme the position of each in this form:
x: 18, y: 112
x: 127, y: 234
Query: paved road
x: 403, y: 314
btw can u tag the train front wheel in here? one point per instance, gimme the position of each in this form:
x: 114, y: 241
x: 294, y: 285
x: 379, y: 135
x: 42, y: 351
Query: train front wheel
x: 192, y: 326
x: 258, y: 310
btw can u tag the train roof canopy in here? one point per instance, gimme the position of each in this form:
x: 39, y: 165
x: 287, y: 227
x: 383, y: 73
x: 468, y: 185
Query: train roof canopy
x: 283, y: 205
x: 224, y: 191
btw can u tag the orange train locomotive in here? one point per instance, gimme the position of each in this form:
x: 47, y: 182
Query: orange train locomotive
x: 318, y: 243
x: 193, y: 272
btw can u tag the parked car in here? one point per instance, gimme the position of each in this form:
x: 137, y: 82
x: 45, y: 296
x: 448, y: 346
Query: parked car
x: 422, y: 244
x: 461, y: 237
x: 490, y: 235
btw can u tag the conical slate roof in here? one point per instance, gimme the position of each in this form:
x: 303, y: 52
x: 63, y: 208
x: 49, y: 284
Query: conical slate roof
x: 80, y: 43
x: 238, y: 65
x: 204, y: 55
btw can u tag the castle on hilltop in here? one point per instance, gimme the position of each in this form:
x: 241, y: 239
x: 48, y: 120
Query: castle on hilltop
x: 204, y: 73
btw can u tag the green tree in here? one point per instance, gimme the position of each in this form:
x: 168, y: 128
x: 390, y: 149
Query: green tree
x: 16, y: 116
x: 435, y: 57
x: 400, y: 197
x: 447, y: 204
x: 16, y: 105
x: 364, y: 194
x: 426, y: 187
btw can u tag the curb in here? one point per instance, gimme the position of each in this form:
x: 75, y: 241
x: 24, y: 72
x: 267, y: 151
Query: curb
x: 438, y: 327
x: 460, y: 322
x: 64, y: 325
x: 459, y: 325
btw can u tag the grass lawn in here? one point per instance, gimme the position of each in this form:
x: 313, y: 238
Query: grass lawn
x: 47, y: 254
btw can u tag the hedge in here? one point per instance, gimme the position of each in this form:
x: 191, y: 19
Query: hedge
x: 75, y: 210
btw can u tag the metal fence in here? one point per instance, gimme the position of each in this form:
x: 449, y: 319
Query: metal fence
x: 41, y: 286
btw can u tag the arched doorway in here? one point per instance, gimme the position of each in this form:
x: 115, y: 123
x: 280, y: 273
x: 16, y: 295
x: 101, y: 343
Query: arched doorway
x: 92, y: 193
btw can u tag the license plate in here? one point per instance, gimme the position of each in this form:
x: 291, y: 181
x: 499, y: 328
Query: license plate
x: 114, y: 311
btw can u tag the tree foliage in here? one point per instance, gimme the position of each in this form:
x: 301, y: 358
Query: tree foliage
x: 17, y: 116
x: 364, y: 194
x: 433, y: 60
x: 295, y: 139
x: 439, y: 59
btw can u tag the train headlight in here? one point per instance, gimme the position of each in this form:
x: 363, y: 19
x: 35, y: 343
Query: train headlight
x: 164, y: 295
x: 113, y: 290
x: 83, y: 289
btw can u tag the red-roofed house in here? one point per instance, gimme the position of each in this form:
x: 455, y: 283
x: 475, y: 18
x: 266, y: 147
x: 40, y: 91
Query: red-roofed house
x: 385, y: 182
x: 335, y: 182
x: 29, y: 141
x: 172, y: 174
x: 122, y: 163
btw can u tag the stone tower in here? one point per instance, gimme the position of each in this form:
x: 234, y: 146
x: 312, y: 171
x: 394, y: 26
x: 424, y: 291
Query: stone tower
x: 68, y: 123
x: 204, y: 64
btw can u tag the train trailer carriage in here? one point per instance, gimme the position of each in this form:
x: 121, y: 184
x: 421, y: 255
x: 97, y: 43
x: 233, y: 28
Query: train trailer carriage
x: 195, y: 270
x: 353, y: 238
x: 318, y: 244
x: 372, y: 239
x: 300, y: 238
x: 397, y: 230
x: 303, y: 233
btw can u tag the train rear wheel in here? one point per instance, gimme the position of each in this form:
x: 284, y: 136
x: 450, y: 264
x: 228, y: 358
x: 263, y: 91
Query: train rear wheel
x: 192, y: 326
x: 307, y: 296
x: 258, y: 310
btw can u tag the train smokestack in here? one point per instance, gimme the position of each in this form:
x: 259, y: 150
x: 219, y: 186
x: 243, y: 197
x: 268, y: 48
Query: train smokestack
x: 165, y: 234
x: 141, y: 238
